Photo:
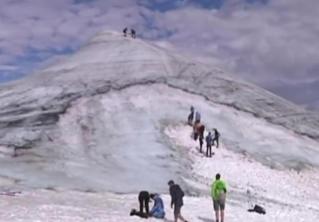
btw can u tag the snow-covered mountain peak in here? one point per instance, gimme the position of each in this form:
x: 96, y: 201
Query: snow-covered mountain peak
x: 111, y: 50
x: 97, y: 119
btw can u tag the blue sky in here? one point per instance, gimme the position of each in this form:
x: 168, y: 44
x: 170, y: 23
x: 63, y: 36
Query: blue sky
x: 270, y: 42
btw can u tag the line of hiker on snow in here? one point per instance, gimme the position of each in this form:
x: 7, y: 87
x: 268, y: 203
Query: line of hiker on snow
x: 132, y: 32
x: 218, y: 188
x: 194, y: 120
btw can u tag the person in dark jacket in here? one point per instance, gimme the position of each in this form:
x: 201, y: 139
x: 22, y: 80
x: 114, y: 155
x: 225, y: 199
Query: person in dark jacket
x: 216, y: 138
x: 190, y: 117
x: 144, y: 199
x: 125, y: 31
x: 133, y: 33
x: 177, y: 195
x: 201, y: 131
x: 158, y: 208
x: 209, y: 142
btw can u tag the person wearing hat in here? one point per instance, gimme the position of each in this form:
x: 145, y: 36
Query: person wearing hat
x: 177, y: 195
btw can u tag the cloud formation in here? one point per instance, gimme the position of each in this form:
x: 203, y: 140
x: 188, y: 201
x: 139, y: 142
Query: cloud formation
x: 271, y: 42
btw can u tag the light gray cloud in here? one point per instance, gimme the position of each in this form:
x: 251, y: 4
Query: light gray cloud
x: 274, y: 45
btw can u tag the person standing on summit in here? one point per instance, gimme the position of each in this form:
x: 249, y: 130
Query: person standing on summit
x: 177, y: 195
x: 133, y: 33
x: 125, y: 31
x: 218, y: 193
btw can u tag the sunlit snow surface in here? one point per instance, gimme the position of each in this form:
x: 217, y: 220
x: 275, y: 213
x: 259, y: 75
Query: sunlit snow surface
x: 153, y: 145
x: 286, y: 195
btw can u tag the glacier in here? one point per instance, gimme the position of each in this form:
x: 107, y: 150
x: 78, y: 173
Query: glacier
x: 110, y: 120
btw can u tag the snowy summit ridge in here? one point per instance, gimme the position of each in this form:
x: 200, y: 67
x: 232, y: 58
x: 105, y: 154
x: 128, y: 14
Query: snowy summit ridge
x: 95, y: 110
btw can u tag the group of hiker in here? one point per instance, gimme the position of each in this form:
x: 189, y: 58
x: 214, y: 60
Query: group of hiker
x: 132, y: 32
x: 218, y: 194
x: 218, y: 188
x: 158, y: 210
x: 194, y: 120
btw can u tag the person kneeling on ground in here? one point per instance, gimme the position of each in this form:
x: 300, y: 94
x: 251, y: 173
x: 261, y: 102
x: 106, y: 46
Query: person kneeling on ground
x: 158, y: 209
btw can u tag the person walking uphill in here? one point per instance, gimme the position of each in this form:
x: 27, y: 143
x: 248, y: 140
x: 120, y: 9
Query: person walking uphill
x: 209, y: 141
x: 177, y: 195
x: 216, y: 138
x: 190, y: 117
x: 218, y: 193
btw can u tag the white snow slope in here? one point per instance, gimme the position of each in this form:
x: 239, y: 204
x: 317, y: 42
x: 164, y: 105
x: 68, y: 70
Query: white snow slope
x: 110, y: 121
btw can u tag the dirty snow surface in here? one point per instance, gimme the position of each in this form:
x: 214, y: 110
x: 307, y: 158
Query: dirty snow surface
x: 81, y: 138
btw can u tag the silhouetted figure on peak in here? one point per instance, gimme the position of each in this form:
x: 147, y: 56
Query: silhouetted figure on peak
x: 125, y: 31
x: 133, y: 33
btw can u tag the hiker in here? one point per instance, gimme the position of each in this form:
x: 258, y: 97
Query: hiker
x: 218, y: 193
x: 196, y: 130
x: 216, y: 138
x: 209, y: 142
x: 133, y: 33
x: 177, y: 195
x: 125, y: 31
x: 190, y: 117
x: 197, y: 117
x: 158, y: 209
x: 201, y: 131
x: 143, y: 199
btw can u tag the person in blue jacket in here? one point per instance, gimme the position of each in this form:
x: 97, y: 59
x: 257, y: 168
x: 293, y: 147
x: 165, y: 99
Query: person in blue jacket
x: 158, y: 209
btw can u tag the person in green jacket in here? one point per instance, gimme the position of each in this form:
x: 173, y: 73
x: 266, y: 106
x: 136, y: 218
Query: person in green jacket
x: 218, y: 193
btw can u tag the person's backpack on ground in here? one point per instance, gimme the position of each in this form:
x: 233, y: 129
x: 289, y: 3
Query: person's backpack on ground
x: 258, y: 209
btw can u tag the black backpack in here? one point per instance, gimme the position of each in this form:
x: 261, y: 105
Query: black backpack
x: 258, y: 209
